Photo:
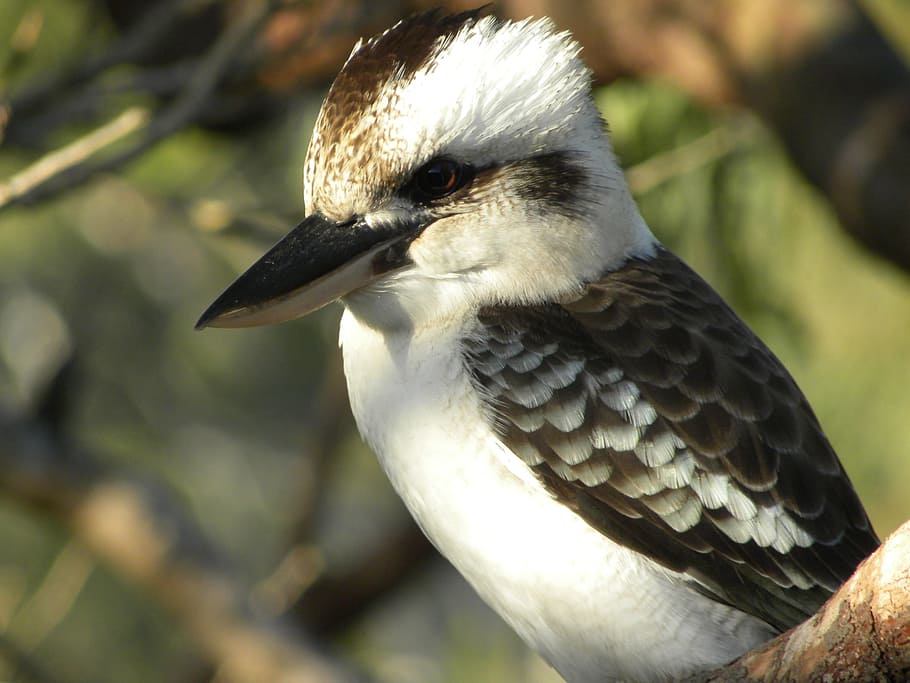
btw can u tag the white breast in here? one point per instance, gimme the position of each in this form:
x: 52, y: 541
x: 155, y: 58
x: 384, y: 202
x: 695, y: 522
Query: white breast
x: 595, y: 610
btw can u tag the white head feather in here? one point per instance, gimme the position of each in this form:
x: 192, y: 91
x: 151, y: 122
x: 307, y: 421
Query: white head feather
x: 491, y: 94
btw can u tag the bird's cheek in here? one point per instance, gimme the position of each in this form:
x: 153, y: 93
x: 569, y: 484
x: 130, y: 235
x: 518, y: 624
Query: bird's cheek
x: 450, y: 246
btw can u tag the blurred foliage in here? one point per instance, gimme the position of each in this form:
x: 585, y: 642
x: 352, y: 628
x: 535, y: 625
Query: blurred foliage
x: 108, y: 281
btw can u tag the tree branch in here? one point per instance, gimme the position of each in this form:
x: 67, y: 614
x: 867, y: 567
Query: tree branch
x: 182, y: 112
x: 133, y: 45
x: 861, y: 634
x: 64, y: 159
x: 140, y: 531
x: 333, y: 602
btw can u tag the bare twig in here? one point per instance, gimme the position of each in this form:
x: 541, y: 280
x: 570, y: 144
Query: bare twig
x: 333, y: 602
x: 155, y: 26
x: 713, y: 145
x: 181, y: 113
x: 65, y: 158
x: 54, y: 598
x: 198, y: 89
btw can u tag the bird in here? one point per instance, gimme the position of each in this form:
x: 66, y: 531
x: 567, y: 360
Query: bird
x: 576, y: 420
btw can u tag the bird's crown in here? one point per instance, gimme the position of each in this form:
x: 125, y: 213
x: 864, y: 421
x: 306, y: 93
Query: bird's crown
x: 482, y: 135
x: 475, y: 88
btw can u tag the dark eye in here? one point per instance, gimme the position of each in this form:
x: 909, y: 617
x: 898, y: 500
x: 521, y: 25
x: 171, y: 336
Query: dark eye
x: 441, y: 177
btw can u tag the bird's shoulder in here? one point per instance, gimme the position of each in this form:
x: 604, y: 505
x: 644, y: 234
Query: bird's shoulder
x: 650, y: 409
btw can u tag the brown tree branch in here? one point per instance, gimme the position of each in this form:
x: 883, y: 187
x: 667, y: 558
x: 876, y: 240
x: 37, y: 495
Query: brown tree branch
x: 333, y: 602
x: 861, y: 634
x: 66, y: 158
x: 136, y: 527
x: 142, y: 38
x: 181, y: 113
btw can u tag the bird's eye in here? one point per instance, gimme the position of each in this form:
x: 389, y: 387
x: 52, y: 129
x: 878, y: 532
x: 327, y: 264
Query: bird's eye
x: 440, y: 177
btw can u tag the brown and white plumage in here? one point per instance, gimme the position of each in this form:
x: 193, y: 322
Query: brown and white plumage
x: 649, y: 408
x: 576, y: 419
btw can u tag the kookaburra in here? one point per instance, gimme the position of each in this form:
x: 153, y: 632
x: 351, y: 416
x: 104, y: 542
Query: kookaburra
x: 575, y: 419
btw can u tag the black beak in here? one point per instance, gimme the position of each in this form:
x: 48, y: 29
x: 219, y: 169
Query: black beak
x: 313, y: 265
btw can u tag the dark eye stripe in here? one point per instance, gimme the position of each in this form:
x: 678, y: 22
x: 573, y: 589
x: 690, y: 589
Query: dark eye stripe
x: 548, y: 183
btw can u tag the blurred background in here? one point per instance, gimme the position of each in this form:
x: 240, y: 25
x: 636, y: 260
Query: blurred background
x: 184, y: 506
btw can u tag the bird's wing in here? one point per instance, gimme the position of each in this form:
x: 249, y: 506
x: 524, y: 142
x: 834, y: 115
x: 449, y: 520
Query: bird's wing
x: 649, y: 408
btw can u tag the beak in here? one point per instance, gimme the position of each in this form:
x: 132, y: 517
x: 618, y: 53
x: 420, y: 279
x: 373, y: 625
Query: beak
x: 313, y: 265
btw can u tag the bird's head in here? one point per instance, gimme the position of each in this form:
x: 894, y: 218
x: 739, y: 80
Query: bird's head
x: 456, y: 161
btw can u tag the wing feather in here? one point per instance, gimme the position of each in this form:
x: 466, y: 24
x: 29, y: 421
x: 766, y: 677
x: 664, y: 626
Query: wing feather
x: 650, y: 409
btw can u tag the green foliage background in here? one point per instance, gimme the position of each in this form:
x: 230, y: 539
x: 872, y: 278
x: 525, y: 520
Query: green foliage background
x: 117, y: 272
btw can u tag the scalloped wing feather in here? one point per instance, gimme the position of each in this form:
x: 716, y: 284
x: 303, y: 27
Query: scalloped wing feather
x: 649, y: 408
